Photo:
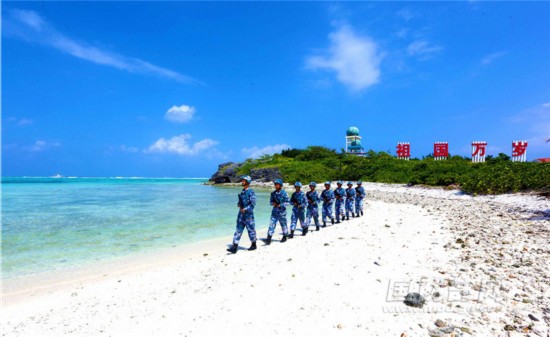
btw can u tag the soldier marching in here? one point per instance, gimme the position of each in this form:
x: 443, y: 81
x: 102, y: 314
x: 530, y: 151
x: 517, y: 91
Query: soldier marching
x: 350, y: 200
x: 305, y: 209
x: 298, y: 199
x: 313, y: 200
x: 340, y: 195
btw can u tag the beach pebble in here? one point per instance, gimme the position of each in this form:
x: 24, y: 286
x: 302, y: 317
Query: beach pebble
x: 533, y: 318
x: 440, y: 324
x: 415, y: 300
x: 509, y: 327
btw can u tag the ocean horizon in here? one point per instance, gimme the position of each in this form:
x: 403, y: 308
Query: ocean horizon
x: 59, y: 223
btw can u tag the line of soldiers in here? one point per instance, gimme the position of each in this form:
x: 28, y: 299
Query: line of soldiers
x: 305, y: 207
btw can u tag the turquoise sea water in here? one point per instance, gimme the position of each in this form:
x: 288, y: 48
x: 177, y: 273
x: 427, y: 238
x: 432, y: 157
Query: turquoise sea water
x: 51, y: 224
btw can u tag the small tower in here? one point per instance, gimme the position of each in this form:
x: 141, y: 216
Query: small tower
x: 353, y: 141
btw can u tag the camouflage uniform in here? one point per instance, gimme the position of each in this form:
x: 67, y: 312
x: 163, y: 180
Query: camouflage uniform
x: 312, y: 207
x: 299, y: 209
x: 278, y: 213
x: 328, y: 199
x: 339, y: 207
x: 360, y: 194
x: 350, y: 200
x: 247, y: 201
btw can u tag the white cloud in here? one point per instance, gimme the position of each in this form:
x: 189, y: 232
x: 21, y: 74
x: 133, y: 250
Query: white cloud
x: 41, y: 145
x: 255, y: 152
x: 492, y: 57
x: 355, y: 59
x: 116, y: 149
x: 180, y: 145
x: 19, y: 121
x: 402, y: 33
x: 423, y: 49
x: 180, y: 114
x: 29, y: 26
x: 405, y: 14
x: 533, y: 125
x: 30, y: 18
x: 24, y: 121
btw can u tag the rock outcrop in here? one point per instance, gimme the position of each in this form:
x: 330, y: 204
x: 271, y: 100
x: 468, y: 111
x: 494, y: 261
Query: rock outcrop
x: 228, y: 173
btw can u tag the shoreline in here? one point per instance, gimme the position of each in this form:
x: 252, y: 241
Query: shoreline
x: 335, y: 281
x: 19, y: 288
x: 289, y: 187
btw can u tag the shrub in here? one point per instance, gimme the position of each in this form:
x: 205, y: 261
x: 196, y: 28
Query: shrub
x: 318, y: 163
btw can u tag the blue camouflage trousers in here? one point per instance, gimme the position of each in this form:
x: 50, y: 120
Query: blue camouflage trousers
x: 327, y: 211
x: 277, y: 215
x: 339, y: 207
x: 245, y: 220
x: 312, y: 212
x: 358, y: 205
x: 297, y: 214
x: 349, y: 206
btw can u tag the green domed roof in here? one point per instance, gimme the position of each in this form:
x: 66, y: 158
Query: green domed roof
x: 352, y: 131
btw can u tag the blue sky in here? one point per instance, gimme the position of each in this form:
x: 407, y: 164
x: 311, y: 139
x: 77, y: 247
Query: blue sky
x: 175, y: 88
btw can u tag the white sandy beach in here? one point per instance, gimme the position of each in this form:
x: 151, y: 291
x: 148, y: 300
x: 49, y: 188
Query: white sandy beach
x: 482, y: 264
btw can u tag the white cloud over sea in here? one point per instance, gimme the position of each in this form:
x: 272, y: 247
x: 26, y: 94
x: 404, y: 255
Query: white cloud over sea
x: 181, y: 145
x: 29, y: 26
x: 354, y: 58
x: 255, y: 151
x: 180, y: 114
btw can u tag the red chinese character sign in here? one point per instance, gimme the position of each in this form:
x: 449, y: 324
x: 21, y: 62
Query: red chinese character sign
x: 478, y: 152
x: 519, y: 150
x: 403, y: 151
x: 441, y: 150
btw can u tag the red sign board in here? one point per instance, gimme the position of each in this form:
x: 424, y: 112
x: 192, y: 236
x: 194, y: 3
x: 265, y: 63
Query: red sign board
x: 518, y: 148
x: 403, y: 150
x: 441, y: 149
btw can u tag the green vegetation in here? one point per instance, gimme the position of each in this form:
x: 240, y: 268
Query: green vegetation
x: 497, y: 175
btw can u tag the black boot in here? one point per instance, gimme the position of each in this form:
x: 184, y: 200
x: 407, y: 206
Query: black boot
x: 233, y: 249
x: 304, y: 231
x: 291, y: 236
x: 361, y: 213
x: 324, y: 224
x: 332, y: 221
x: 317, y: 227
x: 253, y: 246
x: 283, y: 239
x: 347, y: 217
x: 267, y: 241
x: 343, y: 218
x: 353, y: 215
